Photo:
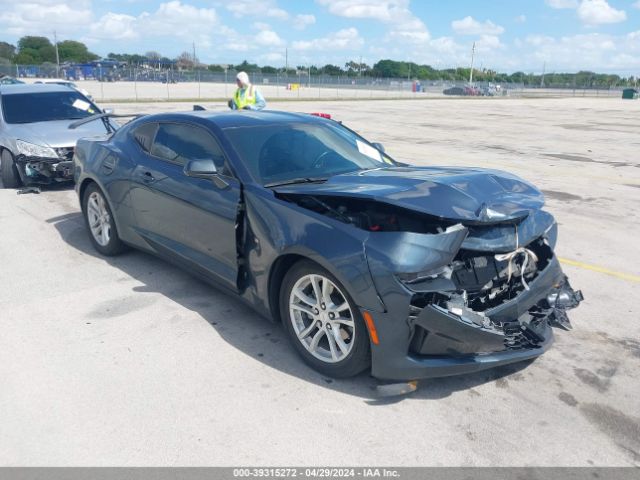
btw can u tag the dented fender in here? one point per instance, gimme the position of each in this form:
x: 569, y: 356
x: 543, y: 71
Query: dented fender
x: 403, y: 253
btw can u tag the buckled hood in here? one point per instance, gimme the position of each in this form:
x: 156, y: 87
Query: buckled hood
x: 464, y: 194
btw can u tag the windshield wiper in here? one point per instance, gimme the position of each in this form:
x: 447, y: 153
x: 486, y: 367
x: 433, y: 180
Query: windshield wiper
x: 293, y: 181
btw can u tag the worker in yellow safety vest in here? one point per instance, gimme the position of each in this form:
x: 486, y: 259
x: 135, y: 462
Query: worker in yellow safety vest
x: 247, y: 96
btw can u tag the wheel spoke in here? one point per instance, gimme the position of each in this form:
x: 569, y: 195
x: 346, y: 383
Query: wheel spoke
x: 316, y: 288
x: 303, y: 308
x: 344, y: 348
x: 313, y: 346
x: 105, y: 233
x: 344, y: 321
x: 305, y: 333
x: 93, y: 206
x: 327, y: 288
x: 298, y: 292
x: 341, y: 307
x: 332, y: 345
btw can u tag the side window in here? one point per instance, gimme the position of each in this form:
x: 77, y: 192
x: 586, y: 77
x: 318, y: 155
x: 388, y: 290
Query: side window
x: 144, y: 135
x: 178, y: 143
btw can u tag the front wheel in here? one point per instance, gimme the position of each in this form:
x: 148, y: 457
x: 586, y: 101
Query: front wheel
x: 9, y: 171
x: 322, y: 321
x: 100, y: 222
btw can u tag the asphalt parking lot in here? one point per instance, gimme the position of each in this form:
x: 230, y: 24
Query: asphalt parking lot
x: 130, y: 361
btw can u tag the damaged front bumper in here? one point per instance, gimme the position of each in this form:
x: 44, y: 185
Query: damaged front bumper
x: 45, y: 171
x: 436, y: 328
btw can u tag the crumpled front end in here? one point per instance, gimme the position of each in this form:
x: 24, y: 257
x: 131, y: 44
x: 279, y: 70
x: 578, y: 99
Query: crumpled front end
x: 44, y: 171
x: 469, y: 298
x: 458, y: 295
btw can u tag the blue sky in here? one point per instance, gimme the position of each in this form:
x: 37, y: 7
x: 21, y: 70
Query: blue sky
x: 564, y: 35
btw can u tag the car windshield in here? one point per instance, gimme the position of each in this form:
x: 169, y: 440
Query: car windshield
x: 46, y: 106
x: 303, y: 151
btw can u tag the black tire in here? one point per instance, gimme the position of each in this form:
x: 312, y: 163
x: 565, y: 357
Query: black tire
x: 358, y: 357
x: 9, y: 170
x: 113, y: 246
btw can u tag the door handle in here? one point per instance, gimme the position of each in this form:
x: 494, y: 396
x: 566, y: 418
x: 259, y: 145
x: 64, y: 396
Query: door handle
x: 147, y: 177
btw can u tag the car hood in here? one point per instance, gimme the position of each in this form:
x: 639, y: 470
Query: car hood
x: 463, y: 194
x: 55, y: 133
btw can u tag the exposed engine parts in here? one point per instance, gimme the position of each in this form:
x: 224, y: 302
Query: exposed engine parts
x: 370, y: 216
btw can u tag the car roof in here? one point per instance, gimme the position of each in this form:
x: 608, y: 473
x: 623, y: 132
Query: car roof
x: 245, y: 118
x: 52, y: 80
x: 34, y: 88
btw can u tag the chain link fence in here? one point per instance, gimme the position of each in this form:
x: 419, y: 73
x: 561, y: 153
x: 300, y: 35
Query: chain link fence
x: 142, y: 83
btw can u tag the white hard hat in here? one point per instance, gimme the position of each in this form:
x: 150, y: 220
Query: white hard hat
x: 243, y: 78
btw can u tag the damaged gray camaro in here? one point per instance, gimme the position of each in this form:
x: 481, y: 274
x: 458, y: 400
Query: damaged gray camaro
x: 411, y: 272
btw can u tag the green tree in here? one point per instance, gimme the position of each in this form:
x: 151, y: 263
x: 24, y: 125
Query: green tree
x: 72, y: 51
x: 332, y: 70
x: 35, y: 50
x: 247, y: 67
x: 7, y: 50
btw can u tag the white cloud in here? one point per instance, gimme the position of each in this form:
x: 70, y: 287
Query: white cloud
x: 116, y: 26
x: 168, y: 20
x: 403, y: 24
x: 261, y: 26
x: 41, y: 17
x: 300, y: 22
x: 469, y: 26
x: 636, y: 5
x: 340, y: 40
x: 521, y: 19
x: 596, y: 12
x: 594, y: 51
x: 272, y: 57
x: 268, y: 38
x: 262, y: 8
x: 562, y: 3
x: 488, y: 43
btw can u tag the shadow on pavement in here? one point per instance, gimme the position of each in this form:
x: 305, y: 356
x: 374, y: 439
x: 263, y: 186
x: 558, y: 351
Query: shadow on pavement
x: 247, y: 331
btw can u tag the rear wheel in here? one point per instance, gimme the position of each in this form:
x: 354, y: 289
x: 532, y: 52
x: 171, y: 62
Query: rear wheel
x: 100, y: 223
x: 8, y: 170
x: 322, y: 321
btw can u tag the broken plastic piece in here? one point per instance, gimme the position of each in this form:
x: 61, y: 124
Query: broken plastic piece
x: 31, y: 189
x: 395, y: 389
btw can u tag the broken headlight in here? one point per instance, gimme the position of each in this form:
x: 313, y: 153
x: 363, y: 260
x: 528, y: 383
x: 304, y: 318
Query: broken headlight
x: 31, y: 150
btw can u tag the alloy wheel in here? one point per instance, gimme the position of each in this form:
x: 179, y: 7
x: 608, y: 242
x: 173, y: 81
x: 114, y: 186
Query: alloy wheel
x: 322, y: 318
x: 99, y: 219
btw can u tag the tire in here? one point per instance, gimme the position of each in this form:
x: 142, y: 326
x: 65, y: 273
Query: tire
x: 100, y: 223
x: 330, y: 334
x: 9, y: 171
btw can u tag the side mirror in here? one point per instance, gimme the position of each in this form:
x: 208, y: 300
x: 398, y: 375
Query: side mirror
x: 200, y: 168
x: 378, y: 146
x: 205, y: 168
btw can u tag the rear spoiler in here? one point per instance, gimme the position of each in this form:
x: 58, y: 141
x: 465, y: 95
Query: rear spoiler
x: 105, y: 120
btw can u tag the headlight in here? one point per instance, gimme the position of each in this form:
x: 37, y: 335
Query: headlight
x: 32, y: 150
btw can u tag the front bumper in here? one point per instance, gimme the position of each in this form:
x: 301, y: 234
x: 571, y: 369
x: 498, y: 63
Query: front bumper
x: 44, y: 171
x: 434, y: 342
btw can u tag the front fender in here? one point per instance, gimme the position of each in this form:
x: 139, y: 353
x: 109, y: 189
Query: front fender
x: 276, y: 228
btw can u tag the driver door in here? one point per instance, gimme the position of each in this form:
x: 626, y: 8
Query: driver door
x: 190, y: 220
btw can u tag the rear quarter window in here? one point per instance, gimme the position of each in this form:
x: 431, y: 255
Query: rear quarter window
x: 144, y: 135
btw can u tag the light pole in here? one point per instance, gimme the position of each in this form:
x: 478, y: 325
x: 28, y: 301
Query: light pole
x: 473, y: 52
x: 55, y: 41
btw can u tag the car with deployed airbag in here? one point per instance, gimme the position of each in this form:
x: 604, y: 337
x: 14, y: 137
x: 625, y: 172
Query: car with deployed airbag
x: 370, y: 264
